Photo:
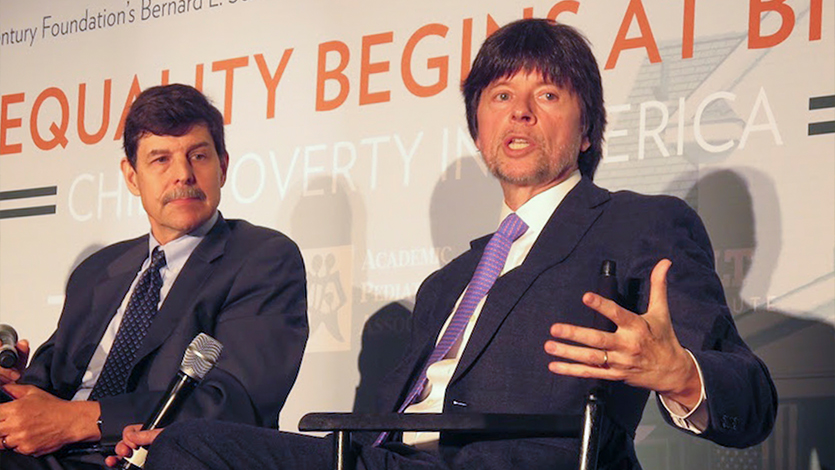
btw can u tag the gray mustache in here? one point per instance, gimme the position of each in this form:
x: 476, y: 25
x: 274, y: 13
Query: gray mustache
x: 187, y: 192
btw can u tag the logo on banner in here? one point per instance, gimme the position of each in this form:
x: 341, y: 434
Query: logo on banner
x: 329, y: 298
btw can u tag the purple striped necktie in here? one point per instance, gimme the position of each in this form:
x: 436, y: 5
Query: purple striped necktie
x: 488, y: 270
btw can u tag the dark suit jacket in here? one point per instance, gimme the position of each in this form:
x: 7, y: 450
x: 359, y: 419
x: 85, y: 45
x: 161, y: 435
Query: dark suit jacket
x: 244, y: 285
x: 504, y: 367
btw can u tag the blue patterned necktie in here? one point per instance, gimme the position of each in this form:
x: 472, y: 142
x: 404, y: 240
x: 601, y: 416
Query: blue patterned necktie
x: 488, y: 270
x: 139, y: 314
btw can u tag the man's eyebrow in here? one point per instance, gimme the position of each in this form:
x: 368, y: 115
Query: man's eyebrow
x: 155, y: 152
x: 164, y: 151
x: 199, y: 145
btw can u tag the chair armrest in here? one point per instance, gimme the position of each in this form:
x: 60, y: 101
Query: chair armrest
x: 552, y: 425
x: 585, y: 426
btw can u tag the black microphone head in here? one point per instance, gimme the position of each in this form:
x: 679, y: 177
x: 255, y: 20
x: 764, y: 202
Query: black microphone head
x: 8, y: 335
x: 8, y: 359
x: 8, y: 349
x: 200, y: 356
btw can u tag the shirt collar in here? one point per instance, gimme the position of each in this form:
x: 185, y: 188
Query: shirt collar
x: 538, y: 209
x: 177, y: 251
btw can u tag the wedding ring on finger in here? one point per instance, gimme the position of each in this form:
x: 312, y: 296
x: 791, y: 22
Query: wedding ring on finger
x: 605, y: 363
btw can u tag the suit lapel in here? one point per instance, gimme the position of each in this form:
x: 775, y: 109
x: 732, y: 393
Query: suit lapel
x: 108, y: 294
x: 195, y: 272
x: 435, y: 306
x: 560, y: 236
x: 452, y: 285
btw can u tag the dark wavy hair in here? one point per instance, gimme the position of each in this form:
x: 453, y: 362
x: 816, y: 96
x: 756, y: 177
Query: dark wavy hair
x: 557, y: 51
x: 171, y: 110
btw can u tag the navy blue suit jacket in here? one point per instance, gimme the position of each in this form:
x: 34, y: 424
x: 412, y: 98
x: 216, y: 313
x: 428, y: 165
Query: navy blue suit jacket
x: 243, y: 284
x: 503, y: 368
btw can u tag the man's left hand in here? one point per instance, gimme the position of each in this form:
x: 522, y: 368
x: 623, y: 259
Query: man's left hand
x: 37, y: 423
x: 132, y: 438
x: 643, y: 351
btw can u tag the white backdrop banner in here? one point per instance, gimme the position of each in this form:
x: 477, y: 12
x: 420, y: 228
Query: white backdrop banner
x: 346, y: 131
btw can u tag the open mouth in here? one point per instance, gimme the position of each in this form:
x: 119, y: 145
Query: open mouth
x: 518, y: 143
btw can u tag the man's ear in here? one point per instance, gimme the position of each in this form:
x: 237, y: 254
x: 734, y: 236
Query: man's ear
x: 129, y: 172
x: 477, y: 142
x: 585, y: 144
x: 224, y: 166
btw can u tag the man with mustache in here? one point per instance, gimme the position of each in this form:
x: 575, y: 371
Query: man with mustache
x: 132, y: 308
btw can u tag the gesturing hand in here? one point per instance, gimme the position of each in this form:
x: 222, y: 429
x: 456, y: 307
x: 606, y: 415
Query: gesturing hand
x: 642, y: 352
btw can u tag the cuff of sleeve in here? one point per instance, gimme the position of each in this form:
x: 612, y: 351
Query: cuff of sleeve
x: 696, y: 419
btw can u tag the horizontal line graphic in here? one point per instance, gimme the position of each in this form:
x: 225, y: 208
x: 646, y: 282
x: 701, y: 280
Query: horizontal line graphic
x: 817, y: 128
x: 27, y: 212
x: 822, y: 127
x: 821, y: 102
x: 27, y: 193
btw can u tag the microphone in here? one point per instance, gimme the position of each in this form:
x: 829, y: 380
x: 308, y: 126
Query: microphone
x: 200, y: 356
x: 607, y: 286
x: 8, y: 351
x: 607, y: 283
